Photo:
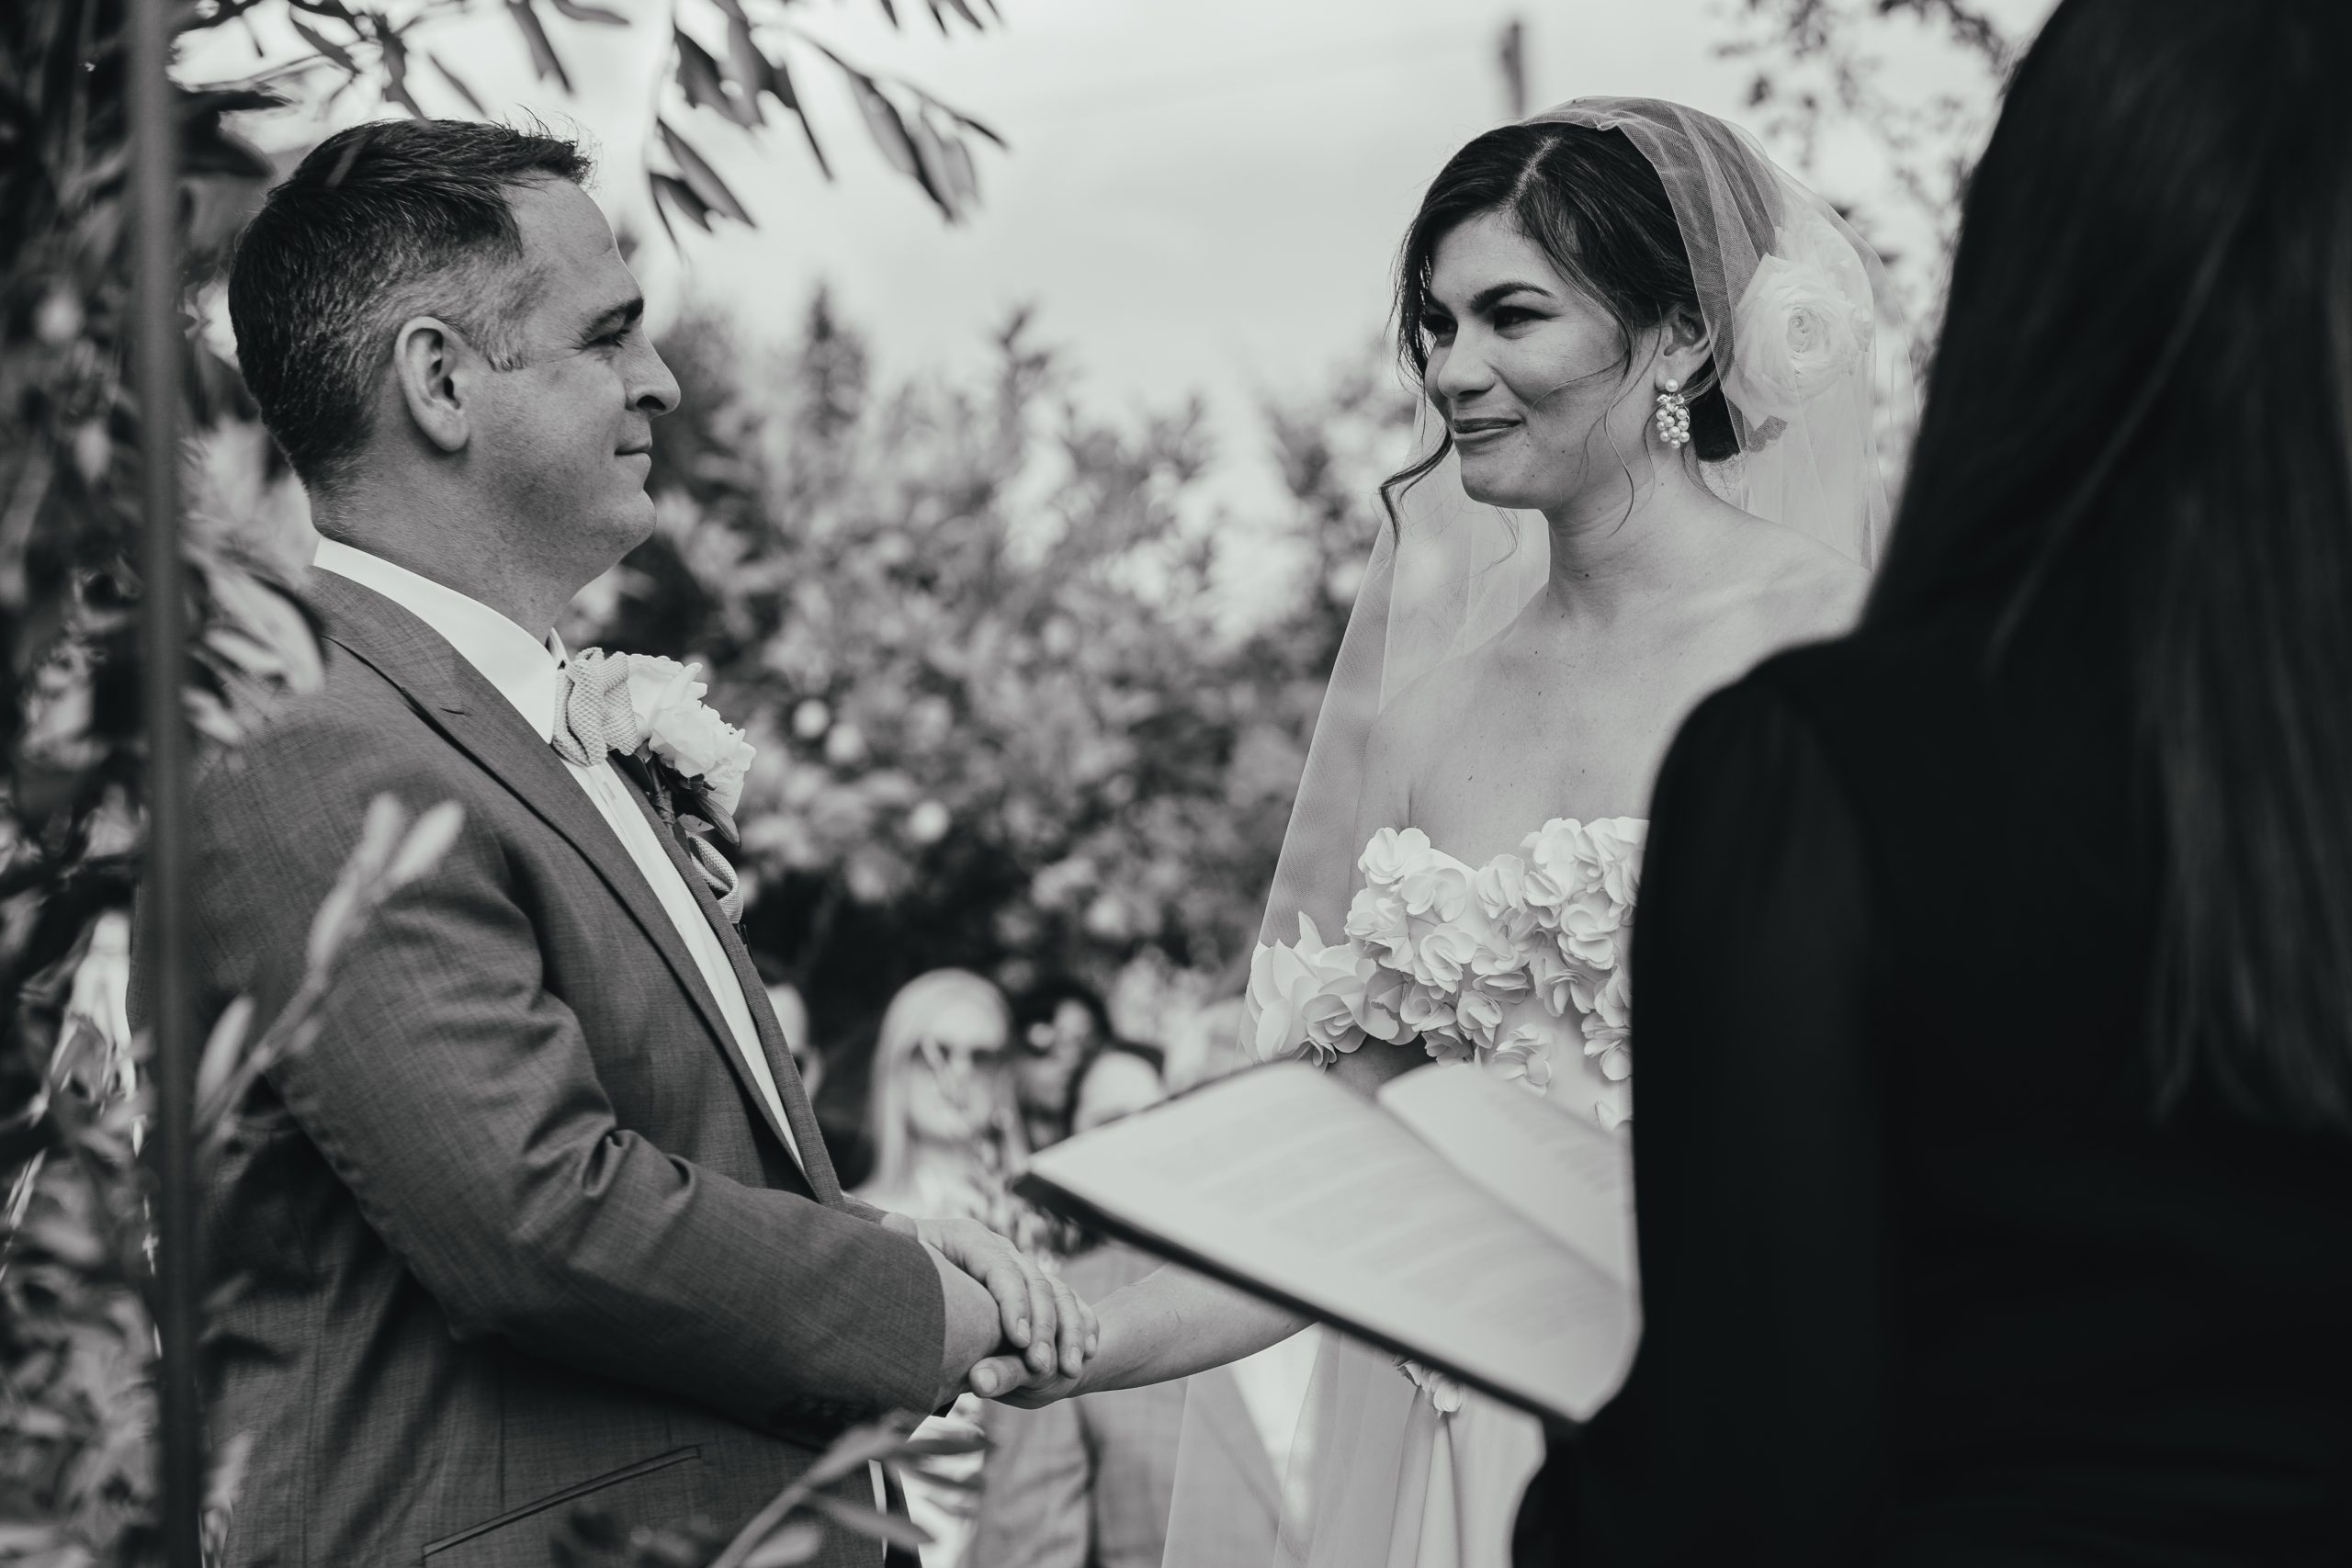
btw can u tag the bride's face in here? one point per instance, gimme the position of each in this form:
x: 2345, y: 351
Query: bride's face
x: 1528, y: 372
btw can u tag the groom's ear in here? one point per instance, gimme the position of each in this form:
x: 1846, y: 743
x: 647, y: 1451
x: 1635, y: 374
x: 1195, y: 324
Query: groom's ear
x: 429, y: 363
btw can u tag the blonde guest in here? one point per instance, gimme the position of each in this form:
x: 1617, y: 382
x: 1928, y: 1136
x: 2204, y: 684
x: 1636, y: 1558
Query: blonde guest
x: 945, y: 1130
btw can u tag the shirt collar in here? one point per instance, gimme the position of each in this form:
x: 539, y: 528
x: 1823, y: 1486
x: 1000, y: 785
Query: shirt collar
x: 525, y: 669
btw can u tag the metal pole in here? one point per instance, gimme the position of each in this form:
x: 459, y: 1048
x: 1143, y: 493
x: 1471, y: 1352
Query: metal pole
x: 154, y: 227
x: 1512, y: 57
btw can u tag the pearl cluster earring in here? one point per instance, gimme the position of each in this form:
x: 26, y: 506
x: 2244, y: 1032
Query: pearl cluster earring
x: 1673, y: 415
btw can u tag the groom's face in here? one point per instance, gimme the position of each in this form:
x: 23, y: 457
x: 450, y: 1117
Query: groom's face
x: 565, y: 438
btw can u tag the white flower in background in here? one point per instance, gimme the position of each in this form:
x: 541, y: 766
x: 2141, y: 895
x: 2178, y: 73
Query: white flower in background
x: 846, y: 745
x: 1803, y: 322
x: 928, y: 822
x: 811, y: 718
x: 686, y: 732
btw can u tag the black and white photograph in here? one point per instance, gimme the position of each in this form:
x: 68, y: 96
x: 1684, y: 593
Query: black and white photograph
x: 865, y: 784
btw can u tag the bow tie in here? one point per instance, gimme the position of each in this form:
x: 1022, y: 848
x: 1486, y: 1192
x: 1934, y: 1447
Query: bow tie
x: 594, y: 717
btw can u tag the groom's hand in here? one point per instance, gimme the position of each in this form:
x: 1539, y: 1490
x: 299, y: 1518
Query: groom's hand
x: 1046, y: 1328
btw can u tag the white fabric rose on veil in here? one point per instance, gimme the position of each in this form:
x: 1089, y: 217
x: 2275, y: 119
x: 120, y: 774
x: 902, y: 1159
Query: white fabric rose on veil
x: 1804, y: 324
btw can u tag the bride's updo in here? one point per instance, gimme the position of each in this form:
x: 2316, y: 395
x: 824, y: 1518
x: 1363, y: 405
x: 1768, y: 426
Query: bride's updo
x: 1594, y: 205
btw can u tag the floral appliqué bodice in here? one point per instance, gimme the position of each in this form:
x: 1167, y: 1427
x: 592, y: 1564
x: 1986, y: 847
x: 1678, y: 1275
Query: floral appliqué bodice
x: 1518, y: 965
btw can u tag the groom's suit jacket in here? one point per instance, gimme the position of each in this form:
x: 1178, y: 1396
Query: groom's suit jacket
x: 515, y: 1234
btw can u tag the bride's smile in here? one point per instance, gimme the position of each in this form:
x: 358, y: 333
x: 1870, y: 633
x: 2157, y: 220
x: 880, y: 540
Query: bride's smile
x: 1533, y: 375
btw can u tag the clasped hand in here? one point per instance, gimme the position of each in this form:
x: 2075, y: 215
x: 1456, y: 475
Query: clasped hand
x: 1010, y: 1326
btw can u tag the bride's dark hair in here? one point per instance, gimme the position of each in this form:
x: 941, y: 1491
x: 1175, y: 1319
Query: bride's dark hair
x: 2145, y: 394
x: 1598, y: 210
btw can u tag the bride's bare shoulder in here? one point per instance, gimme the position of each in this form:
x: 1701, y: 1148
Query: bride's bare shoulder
x: 1421, y: 710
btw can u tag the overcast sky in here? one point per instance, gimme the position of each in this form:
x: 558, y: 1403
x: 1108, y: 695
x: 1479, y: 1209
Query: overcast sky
x: 1201, y: 196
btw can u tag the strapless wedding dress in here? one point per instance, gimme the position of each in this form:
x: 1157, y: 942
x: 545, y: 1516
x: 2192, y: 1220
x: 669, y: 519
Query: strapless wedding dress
x: 1516, y: 968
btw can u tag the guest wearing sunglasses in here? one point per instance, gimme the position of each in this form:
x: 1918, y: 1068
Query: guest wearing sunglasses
x: 943, y: 1130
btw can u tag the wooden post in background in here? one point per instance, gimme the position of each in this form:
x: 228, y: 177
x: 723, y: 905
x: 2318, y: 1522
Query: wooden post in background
x: 157, y: 348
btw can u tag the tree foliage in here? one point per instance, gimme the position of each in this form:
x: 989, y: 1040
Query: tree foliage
x: 978, y: 637
x: 1819, y: 71
x: 729, y: 59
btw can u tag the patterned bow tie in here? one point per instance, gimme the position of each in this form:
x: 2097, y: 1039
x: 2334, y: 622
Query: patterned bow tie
x: 593, y: 717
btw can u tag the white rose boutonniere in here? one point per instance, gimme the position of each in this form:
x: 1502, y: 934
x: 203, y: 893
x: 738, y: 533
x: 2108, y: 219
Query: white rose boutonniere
x: 684, y: 731
x: 1801, y: 325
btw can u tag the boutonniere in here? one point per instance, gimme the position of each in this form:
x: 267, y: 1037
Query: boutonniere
x: 648, y: 711
x: 707, y: 756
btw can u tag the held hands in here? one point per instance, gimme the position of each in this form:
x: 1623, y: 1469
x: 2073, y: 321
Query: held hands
x: 1009, y: 1324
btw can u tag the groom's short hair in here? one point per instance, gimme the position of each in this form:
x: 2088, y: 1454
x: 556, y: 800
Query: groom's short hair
x: 381, y: 224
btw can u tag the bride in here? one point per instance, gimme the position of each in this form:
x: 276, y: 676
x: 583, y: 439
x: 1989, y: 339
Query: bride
x: 1625, y: 319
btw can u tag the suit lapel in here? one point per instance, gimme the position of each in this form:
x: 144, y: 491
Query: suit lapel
x: 469, y: 712
x: 1216, y: 1399
x: 814, y: 1160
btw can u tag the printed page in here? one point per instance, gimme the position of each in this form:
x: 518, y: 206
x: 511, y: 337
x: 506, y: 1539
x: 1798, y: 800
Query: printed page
x: 1564, y: 1172
x: 1286, y: 1184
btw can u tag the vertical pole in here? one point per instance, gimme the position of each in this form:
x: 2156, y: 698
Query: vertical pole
x: 156, y: 337
x: 1512, y: 57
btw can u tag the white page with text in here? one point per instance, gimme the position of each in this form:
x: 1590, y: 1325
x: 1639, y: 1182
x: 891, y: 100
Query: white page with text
x: 1283, y: 1178
x: 1570, y: 1175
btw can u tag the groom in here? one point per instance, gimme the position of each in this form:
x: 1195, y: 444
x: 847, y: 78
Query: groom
x: 542, y: 1220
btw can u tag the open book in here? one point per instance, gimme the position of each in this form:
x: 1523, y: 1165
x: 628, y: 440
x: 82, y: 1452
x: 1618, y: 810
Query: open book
x: 1459, y: 1221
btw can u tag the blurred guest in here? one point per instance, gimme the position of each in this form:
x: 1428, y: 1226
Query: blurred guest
x: 792, y: 1021
x: 1086, y: 1484
x: 1993, y: 984
x: 1062, y: 1024
x: 939, y: 1116
x: 1119, y: 1080
x: 940, y: 1111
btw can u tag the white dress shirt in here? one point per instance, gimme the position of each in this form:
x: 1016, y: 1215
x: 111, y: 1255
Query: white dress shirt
x: 526, y: 672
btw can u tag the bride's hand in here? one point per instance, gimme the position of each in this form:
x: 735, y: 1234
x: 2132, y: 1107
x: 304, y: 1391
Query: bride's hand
x: 1046, y: 1328
x: 1035, y: 1394
x: 1031, y: 1390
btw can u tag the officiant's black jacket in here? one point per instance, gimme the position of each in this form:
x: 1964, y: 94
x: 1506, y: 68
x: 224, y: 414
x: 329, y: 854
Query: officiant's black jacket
x: 1925, y: 1281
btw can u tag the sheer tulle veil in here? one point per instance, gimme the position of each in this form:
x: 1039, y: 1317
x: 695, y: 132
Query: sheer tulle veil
x: 1812, y: 364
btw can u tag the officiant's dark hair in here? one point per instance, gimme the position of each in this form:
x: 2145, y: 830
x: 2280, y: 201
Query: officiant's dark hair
x: 2143, y: 399
x: 380, y: 223
x: 1594, y: 204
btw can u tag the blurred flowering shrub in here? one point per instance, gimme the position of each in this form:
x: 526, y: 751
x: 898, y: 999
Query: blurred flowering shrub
x: 1022, y: 702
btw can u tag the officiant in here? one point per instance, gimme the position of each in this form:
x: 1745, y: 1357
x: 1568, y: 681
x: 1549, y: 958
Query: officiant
x: 1994, y: 978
